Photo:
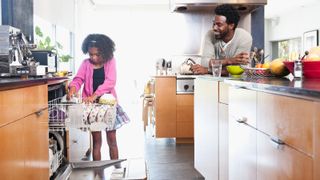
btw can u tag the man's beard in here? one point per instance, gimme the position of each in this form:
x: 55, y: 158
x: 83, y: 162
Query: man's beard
x: 221, y: 35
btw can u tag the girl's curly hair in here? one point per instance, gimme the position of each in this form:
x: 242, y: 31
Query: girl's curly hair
x: 104, y: 44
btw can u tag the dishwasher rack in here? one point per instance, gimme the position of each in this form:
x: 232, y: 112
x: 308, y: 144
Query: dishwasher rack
x: 66, y: 115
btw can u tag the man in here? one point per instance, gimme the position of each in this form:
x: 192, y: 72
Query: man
x: 224, y: 42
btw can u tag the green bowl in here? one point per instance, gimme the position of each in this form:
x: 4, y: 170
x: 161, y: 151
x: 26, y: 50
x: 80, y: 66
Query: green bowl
x: 235, y: 70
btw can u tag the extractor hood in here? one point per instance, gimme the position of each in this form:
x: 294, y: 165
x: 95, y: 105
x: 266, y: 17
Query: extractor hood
x: 243, y: 6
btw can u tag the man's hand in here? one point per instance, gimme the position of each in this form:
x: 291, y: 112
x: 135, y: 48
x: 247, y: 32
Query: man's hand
x: 198, y: 69
x: 242, y: 58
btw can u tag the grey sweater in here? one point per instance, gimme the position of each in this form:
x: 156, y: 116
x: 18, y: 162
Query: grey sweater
x: 212, y: 48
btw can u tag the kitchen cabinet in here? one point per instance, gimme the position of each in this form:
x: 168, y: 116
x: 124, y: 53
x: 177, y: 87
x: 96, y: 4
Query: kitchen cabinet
x: 291, y: 122
x: 211, y: 121
x: 165, y: 105
x: 24, y: 133
x: 243, y: 106
x: 280, y: 161
x: 184, y: 115
x: 12, y: 155
x: 174, y: 112
x: 289, y: 119
x: 223, y: 116
x: 242, y: 134
x: 35, y: 143
x: 206, y: 127
x: 223, y: 141
x: 278, y: 139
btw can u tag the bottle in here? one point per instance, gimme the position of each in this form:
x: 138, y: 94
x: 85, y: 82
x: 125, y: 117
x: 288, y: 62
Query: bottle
x: 158, y: 70
x: 297, y: 68
x: 169, y: 68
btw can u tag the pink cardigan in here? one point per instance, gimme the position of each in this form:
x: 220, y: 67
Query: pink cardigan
x: 85, y: 76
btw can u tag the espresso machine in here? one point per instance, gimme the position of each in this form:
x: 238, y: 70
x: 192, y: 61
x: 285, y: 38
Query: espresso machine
x: 15, y: 55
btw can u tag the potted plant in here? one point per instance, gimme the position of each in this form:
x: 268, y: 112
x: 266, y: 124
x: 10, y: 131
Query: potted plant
x: 45, y: 43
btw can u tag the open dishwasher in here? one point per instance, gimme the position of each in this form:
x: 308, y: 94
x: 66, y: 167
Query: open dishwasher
x: 66, y: 115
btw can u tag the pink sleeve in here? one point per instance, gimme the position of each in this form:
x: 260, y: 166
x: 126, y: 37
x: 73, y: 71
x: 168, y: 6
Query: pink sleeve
x: 110, y: 79
x: 78, y: 80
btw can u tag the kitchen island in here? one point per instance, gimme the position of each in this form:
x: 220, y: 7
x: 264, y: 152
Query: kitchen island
x: 273, y: 129
x: 24, y: 133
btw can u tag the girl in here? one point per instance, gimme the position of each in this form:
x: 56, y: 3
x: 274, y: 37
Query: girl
x: 98, y: 76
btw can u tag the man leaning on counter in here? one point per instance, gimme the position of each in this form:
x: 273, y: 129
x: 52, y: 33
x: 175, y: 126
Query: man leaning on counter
x: 224, y: 42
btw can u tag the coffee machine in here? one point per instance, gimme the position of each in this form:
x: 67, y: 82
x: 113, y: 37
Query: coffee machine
x: 15, y: 55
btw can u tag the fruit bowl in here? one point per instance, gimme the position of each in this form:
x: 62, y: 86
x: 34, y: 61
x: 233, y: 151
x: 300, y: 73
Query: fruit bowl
x: 258, y: 72
x: 289, y: 65
x: 235, y: 70
x: 311, y: 65
x: 311, y: 69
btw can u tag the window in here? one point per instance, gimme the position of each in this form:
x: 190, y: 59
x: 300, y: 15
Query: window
x: 290, y: 49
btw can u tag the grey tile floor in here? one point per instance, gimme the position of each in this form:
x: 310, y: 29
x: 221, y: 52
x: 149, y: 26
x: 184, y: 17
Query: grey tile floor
x: 166, y: 160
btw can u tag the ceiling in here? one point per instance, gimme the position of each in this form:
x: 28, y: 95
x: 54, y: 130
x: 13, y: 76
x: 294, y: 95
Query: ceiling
x: 275, y: 8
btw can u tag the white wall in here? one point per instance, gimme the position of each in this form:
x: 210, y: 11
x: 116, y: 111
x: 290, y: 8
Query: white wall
x: 142, y: 34
x: 59, y: 12
x: 292, y: 24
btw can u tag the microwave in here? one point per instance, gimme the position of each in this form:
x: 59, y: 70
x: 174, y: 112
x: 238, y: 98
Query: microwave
x: 46, y: 58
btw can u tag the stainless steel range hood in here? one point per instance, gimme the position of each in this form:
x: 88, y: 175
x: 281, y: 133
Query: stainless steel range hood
x: 243, y: 6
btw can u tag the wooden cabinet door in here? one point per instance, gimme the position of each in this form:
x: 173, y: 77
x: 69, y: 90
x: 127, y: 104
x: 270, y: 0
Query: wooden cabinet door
x: 18, y: 103
x: 36, y: 144
x: 206, y: 127
x: 316, y: 161
x: 185, y: 115
x: 12, y: 151
x: 281, y: 162
x: 242, y: 150
x: 290, y: 119
x: 165, y: 92
x: 223, y: 141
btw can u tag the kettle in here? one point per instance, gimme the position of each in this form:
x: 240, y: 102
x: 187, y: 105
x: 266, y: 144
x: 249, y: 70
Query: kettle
x: 185, y: 67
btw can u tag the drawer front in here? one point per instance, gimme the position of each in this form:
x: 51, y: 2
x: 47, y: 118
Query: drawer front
x: 185, y: 112
x: 242, y: 102
x: 281, y: 161
x: 184, y: 129
x: 185, y: 100
x: 289, y: 119
x: 223, y: 93
x: 18, y: 103
x: 242, y: 151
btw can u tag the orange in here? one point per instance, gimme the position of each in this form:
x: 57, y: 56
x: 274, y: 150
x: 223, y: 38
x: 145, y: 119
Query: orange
x: 266, y: 65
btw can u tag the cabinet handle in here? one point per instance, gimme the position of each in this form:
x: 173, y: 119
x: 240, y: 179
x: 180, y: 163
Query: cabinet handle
x: 242, y: 120
x: 277, y: 143
x: 40, y: 112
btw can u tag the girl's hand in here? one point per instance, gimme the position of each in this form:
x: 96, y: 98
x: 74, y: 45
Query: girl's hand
x: 90, y: 99
x: 72, y: 91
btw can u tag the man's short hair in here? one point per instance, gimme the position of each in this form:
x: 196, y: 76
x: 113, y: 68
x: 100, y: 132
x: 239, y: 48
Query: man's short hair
x: 229, y: 12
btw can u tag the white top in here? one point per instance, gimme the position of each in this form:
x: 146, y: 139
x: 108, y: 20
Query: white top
x: 217, y: 49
